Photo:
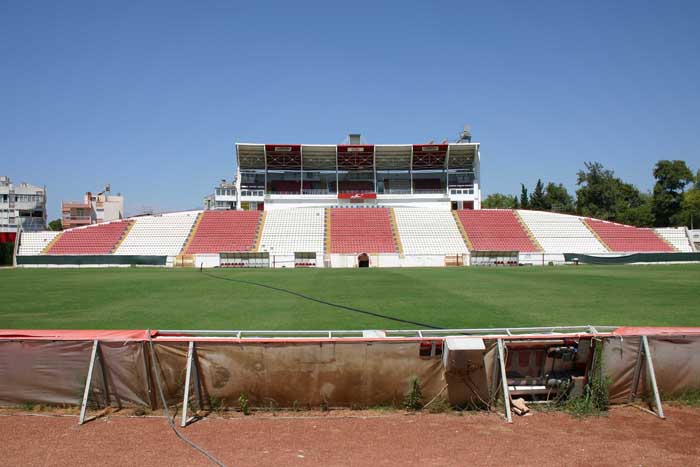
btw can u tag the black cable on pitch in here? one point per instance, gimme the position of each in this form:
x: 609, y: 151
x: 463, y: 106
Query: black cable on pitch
x: 167, y: 412
x: 323, y: 302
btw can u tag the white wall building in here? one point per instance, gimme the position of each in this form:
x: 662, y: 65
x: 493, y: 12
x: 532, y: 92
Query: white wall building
x: 22, y: 205
x: 94, y: 209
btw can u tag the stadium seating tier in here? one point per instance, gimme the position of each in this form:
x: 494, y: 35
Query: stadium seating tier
x: 98, y: 239
x: 626, y: 238
x: 225, y: 231
x: 495, y: 230
x: 361, y: 230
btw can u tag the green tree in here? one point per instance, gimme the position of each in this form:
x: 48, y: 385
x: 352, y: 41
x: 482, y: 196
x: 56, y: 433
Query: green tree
x: 537, y: 200
x: 602, y: 195
x: 498, y: 201
x: 640, y: 216
x: 55, y: 225
x: 524, y: 202
x: 671, y: 179
x: 558, y: 199
x: 689, y: 214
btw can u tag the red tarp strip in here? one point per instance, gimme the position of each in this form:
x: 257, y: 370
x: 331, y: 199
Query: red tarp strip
x: 74, y: 335
x: 655, y: 331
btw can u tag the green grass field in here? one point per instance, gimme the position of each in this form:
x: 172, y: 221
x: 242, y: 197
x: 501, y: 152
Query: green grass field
x: 446, y: 297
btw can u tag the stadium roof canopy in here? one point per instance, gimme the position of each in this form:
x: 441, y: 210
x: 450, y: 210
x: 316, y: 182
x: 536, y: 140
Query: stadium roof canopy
x: 356, y: 156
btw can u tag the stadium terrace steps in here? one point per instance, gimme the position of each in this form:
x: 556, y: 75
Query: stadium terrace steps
x: 162, y: 235
x: 98, y: 239
x: 259, y: 230
x: 33, y: 243
x: 561, y: 233
x: 429, y: 232
x: 677, y: 237
x: 395, y: 229
x: 124, y: 235
x: 327, y: 229
x: 463, y: 232
x: 495, y: 230
x: 626, y: 238
x: 528, y: 231
x: 195, y: 226
x: 225, y: 231
x: 361, y: 230
x: 289, y: 231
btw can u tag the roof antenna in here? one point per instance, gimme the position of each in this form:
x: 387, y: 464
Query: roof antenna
x: 465, y: 136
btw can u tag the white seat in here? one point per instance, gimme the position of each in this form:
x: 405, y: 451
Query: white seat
x: 33, y: 243
x: 289, y: 231
x: 561, y: 233
x: 163, y: 235
x: 428, y: 232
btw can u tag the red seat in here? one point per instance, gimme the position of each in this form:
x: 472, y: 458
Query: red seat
x: 495, y: 230
x: 223, y: 231
x: 626, y: 238
x: 99, y: 239
x: 361, y: 230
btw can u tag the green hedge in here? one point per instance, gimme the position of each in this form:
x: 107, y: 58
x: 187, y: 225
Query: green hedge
x: 6, y: 250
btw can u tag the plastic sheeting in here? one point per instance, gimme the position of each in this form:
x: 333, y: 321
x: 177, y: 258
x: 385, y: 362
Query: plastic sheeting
x: 676, y: 361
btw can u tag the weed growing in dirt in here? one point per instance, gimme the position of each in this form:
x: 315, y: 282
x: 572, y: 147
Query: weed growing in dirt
x: 690, y: 397
x: 596, y: 395
x: 413, y: 399
x: 244, y: 404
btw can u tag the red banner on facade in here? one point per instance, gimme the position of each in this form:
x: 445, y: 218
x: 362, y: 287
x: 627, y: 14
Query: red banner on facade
x: 357, y: 196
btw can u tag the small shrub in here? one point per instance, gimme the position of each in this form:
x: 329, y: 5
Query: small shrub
x: 324, y: 406
x: 690, y: 397
x: 596, y: 395
x: 413, y: 399
x: 440, y: 405
x: 217, y: 404
x: 243, y: 403
x: 295, y: 406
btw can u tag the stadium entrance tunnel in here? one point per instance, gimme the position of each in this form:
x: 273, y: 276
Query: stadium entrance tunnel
x: 363, y: 260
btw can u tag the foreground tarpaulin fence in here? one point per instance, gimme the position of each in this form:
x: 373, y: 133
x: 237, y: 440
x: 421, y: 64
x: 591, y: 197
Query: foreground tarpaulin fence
x: 322, y: 368
x: 633, y: 258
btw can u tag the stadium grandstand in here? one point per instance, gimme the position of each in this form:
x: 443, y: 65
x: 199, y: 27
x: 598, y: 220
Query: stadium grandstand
x: 351, y: 205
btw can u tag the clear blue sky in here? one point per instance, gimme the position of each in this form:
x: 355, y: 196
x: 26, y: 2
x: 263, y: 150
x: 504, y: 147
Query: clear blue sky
x: 151, y: 96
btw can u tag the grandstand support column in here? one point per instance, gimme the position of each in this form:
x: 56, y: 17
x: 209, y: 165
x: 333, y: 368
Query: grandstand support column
x: 18, y: 239
x: 410, y: 170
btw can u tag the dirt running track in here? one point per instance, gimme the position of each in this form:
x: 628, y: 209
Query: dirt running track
x: 627, y: 436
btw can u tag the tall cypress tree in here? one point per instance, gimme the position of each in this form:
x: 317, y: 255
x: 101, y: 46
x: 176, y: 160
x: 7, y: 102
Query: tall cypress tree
x: 524, y: 201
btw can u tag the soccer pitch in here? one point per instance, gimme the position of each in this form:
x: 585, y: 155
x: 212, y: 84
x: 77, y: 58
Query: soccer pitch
x: 661, y: 295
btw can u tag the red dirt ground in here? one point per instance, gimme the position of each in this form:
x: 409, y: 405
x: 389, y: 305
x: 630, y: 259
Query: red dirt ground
x: 627, y: 436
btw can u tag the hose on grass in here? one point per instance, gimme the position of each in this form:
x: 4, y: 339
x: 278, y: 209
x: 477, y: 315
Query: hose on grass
x: 170, y: 420
x: 323, y: 302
